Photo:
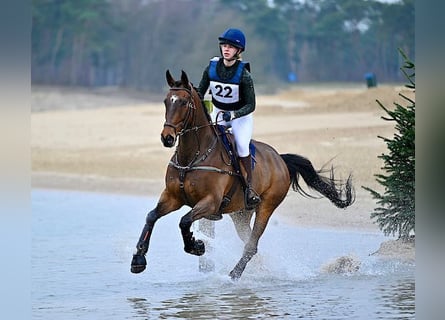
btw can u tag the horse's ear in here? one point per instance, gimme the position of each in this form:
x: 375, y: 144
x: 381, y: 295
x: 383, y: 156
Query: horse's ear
x: 170, y: 80
x: 185, y: 80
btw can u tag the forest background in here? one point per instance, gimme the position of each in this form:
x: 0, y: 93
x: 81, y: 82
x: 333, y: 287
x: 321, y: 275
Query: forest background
x: 130, y: 44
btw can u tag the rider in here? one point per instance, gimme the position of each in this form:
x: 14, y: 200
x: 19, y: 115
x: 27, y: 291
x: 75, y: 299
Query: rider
x: 233, y: 97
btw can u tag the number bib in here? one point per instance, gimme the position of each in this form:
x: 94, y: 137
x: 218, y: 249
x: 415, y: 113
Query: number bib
x: 226, y: 93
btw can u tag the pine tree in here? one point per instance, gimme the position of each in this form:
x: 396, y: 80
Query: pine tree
x: 395, y: 213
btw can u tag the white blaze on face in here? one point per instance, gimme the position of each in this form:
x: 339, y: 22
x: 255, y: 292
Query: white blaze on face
x: 173, y: 98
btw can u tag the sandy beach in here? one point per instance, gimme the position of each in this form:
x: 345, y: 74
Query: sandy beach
x: 109, y: 141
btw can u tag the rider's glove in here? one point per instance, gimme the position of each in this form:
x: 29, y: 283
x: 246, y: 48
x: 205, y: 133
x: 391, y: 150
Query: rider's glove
x: 227, y: 116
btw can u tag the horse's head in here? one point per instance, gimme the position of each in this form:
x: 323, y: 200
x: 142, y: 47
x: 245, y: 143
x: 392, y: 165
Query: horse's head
x: 179, y: 109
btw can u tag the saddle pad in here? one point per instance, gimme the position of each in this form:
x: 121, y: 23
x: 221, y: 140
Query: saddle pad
x: 228, y: 142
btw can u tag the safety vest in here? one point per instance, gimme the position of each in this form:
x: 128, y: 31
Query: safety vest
x: 225, y: 93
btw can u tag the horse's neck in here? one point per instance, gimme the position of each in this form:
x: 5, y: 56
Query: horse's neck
x: 196, y: 143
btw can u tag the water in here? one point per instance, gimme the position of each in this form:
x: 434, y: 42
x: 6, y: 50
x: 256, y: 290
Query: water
x: 83, y: 244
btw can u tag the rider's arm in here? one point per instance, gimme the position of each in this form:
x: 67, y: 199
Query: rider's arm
x: 247, y: 93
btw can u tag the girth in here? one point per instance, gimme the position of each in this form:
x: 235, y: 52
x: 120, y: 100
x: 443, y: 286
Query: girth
x: 183, y: 170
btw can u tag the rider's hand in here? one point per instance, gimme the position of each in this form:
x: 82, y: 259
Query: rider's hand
x: 226, y: 116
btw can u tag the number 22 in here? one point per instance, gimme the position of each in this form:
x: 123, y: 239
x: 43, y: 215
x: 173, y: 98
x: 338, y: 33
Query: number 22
x: 227, y: 91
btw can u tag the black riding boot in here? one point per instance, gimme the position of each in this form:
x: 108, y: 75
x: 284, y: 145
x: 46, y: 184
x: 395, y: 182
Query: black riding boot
x: 251, y: 197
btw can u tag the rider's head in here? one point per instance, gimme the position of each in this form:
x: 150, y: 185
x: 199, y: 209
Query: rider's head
x: 234, y: 38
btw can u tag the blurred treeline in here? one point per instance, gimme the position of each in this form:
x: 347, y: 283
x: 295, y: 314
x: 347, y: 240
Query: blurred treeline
x: 131, y: 43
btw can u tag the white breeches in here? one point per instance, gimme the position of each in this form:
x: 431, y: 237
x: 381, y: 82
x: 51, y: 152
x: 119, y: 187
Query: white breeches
x: 242, y: 129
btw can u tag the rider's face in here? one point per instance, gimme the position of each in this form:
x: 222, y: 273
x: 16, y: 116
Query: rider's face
x: 228, y: 51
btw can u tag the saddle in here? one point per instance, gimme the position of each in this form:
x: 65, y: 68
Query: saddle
x: 229, y: 144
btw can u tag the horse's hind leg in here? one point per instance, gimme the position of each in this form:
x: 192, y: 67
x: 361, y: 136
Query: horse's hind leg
x: 241, y: 221
x: 251, y: 247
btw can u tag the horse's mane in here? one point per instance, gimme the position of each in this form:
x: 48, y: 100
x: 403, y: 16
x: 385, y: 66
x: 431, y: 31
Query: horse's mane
x: 201, y: 102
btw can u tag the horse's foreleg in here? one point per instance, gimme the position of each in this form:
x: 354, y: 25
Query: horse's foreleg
x: 202, y: 209
x: 191, y: 245
x: 167, y: 203
x: 138, y: 263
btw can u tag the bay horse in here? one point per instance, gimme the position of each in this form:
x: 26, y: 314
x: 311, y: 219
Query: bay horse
x: 202, y: 175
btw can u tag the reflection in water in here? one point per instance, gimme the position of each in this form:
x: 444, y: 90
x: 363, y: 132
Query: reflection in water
x: 397, y: 299
x: 141, y: 306
x: 327, y: 297
x: 240, y: 304
x: 209, y: 304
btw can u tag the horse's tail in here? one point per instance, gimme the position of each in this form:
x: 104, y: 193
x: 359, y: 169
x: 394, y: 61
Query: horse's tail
x: 340, y: 193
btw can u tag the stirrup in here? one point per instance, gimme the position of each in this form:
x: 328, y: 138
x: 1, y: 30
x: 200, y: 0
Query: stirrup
x: 251, y: 198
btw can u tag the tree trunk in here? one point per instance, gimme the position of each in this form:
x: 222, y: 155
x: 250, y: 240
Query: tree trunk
x: 55, y: 51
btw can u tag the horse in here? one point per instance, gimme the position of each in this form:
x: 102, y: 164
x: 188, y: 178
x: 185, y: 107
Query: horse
x: 202, y: 174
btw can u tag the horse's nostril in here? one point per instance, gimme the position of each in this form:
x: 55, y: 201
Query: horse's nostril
x: 168, y: 141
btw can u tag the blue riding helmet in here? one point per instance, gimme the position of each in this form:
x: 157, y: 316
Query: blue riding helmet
x: 234, y: 37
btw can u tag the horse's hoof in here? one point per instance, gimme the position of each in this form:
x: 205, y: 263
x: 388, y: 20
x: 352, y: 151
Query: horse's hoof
x: 214, y: 217
x: 138, y: 263
x: 198, y: 248
x: 234, y: 275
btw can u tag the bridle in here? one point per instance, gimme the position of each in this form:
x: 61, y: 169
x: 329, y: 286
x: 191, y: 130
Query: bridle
x: 190, y: 107
x: 185, y: 122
